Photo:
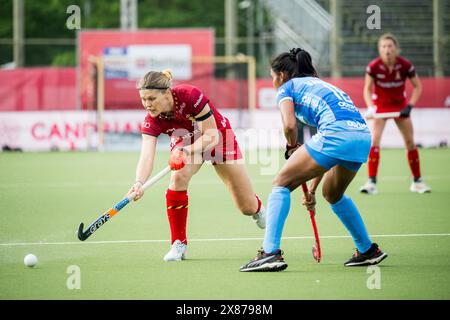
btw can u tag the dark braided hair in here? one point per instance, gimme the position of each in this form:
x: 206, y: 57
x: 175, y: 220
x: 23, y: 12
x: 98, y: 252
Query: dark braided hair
x: 296, y: 63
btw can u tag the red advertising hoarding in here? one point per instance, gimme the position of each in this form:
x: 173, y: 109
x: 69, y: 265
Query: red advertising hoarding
x: 435, y: 92
x: 94, y: 43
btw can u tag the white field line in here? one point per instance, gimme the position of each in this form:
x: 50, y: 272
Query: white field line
x: 217, y: 239
x: 102, y: 184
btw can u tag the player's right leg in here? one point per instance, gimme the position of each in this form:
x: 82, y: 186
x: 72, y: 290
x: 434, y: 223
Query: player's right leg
x: 177, y: 210
x: 300, y: 167
x: 335, y: 183
x: 377, y: 129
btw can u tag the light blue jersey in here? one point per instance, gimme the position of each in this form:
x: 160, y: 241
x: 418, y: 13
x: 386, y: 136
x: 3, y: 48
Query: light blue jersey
x: 342, y: 131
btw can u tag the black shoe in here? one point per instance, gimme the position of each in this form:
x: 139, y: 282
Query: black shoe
x: 370, y: 257
x: 266, y: 262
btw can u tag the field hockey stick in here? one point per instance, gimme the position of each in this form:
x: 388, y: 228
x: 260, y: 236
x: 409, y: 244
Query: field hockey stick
x: 317, y: 253
x: 384, y: 115
x: 83, y: 235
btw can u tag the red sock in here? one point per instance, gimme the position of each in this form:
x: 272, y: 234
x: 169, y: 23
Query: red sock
x: 374, y: 160
x: 414, y: 163
x: 177, y: 211
x: 259, y: 203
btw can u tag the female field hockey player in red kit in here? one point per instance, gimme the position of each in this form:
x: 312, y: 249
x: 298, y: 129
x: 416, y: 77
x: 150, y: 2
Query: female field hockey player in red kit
x: 198, y: 133
x: 388, y: 74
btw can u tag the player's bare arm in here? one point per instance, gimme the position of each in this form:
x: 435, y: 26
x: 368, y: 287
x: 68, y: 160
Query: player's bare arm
x: 145, y: 164
x: 315, y: 183
x: 368, y: 88
x: 289, y: 121
x: 289, y: 127
x: 417, y: 90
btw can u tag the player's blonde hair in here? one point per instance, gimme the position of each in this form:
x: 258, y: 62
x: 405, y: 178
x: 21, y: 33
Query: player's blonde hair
x: 156, y: 80
x: 389, y: 36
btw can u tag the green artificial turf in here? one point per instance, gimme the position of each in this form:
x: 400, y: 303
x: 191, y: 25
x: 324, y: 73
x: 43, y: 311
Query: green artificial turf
x: 44, y: 197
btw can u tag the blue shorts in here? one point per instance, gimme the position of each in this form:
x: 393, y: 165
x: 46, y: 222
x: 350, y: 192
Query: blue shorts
x: 329, y: 162
x: 349, y: 148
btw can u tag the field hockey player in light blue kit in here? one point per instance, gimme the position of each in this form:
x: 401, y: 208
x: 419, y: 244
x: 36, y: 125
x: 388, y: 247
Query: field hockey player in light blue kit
x: 335, y: 153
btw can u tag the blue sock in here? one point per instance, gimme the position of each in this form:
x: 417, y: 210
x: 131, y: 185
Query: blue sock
x: 278, y: 207
x: 349, y: 215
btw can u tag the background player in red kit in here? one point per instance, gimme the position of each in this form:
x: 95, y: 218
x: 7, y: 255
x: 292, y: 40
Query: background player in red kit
x: 388, y: 74
x: 198, y: 133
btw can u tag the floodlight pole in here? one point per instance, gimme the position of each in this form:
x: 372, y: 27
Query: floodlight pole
x: 250, y: 26
x: 336, y: 13
x: 438, y: 35
x: 19, y: 22
x: 230, y: 32
x: 230, y: 27
x: 128, y: 14
x: 262, y: 45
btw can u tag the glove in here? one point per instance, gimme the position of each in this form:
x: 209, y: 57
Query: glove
x: 404, y: 113
x: 177, y: 159
x: 290, y: 150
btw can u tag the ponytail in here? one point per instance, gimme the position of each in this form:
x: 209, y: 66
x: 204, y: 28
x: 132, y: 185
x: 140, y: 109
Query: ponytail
x: 305, y: 67
x: 295, y: 64
x: 168, y: 74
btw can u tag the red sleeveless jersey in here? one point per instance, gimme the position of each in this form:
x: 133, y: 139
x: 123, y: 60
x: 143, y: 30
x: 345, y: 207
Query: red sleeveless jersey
x: 390, y: 94
x: 182, y: 128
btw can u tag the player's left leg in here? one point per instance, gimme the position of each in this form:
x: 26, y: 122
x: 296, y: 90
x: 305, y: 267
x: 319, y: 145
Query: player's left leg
x: 177, y: 210
x: 335, y: 184
x: 234, y: 174
x: 406, y: 129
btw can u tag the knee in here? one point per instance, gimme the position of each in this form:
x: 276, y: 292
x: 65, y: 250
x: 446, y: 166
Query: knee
x: 280, y: 181
x: 276, y: 182
x: 179, y: 180
x: 331, y: 197
x: 247, y: 206
x: 247, y: 209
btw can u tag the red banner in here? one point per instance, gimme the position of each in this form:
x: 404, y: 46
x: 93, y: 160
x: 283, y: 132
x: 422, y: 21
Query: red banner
x: 44, y: 89
x: 34, y: 89
x: 93, y: 43
x: 435, y: 92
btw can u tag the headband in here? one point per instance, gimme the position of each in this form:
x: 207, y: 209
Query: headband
x: 153, y: 87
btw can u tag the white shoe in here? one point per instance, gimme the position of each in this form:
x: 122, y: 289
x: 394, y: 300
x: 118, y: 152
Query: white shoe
x: 177, y: 252
x: 369, y: 187
x: 420, y: 187
x: 260, y: 218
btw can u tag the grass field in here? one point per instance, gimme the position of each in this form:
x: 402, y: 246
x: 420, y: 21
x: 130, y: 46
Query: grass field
x: 44, y: 196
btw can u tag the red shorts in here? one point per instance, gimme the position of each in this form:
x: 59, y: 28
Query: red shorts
x: 227, y: 149
x: 390, y: 108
